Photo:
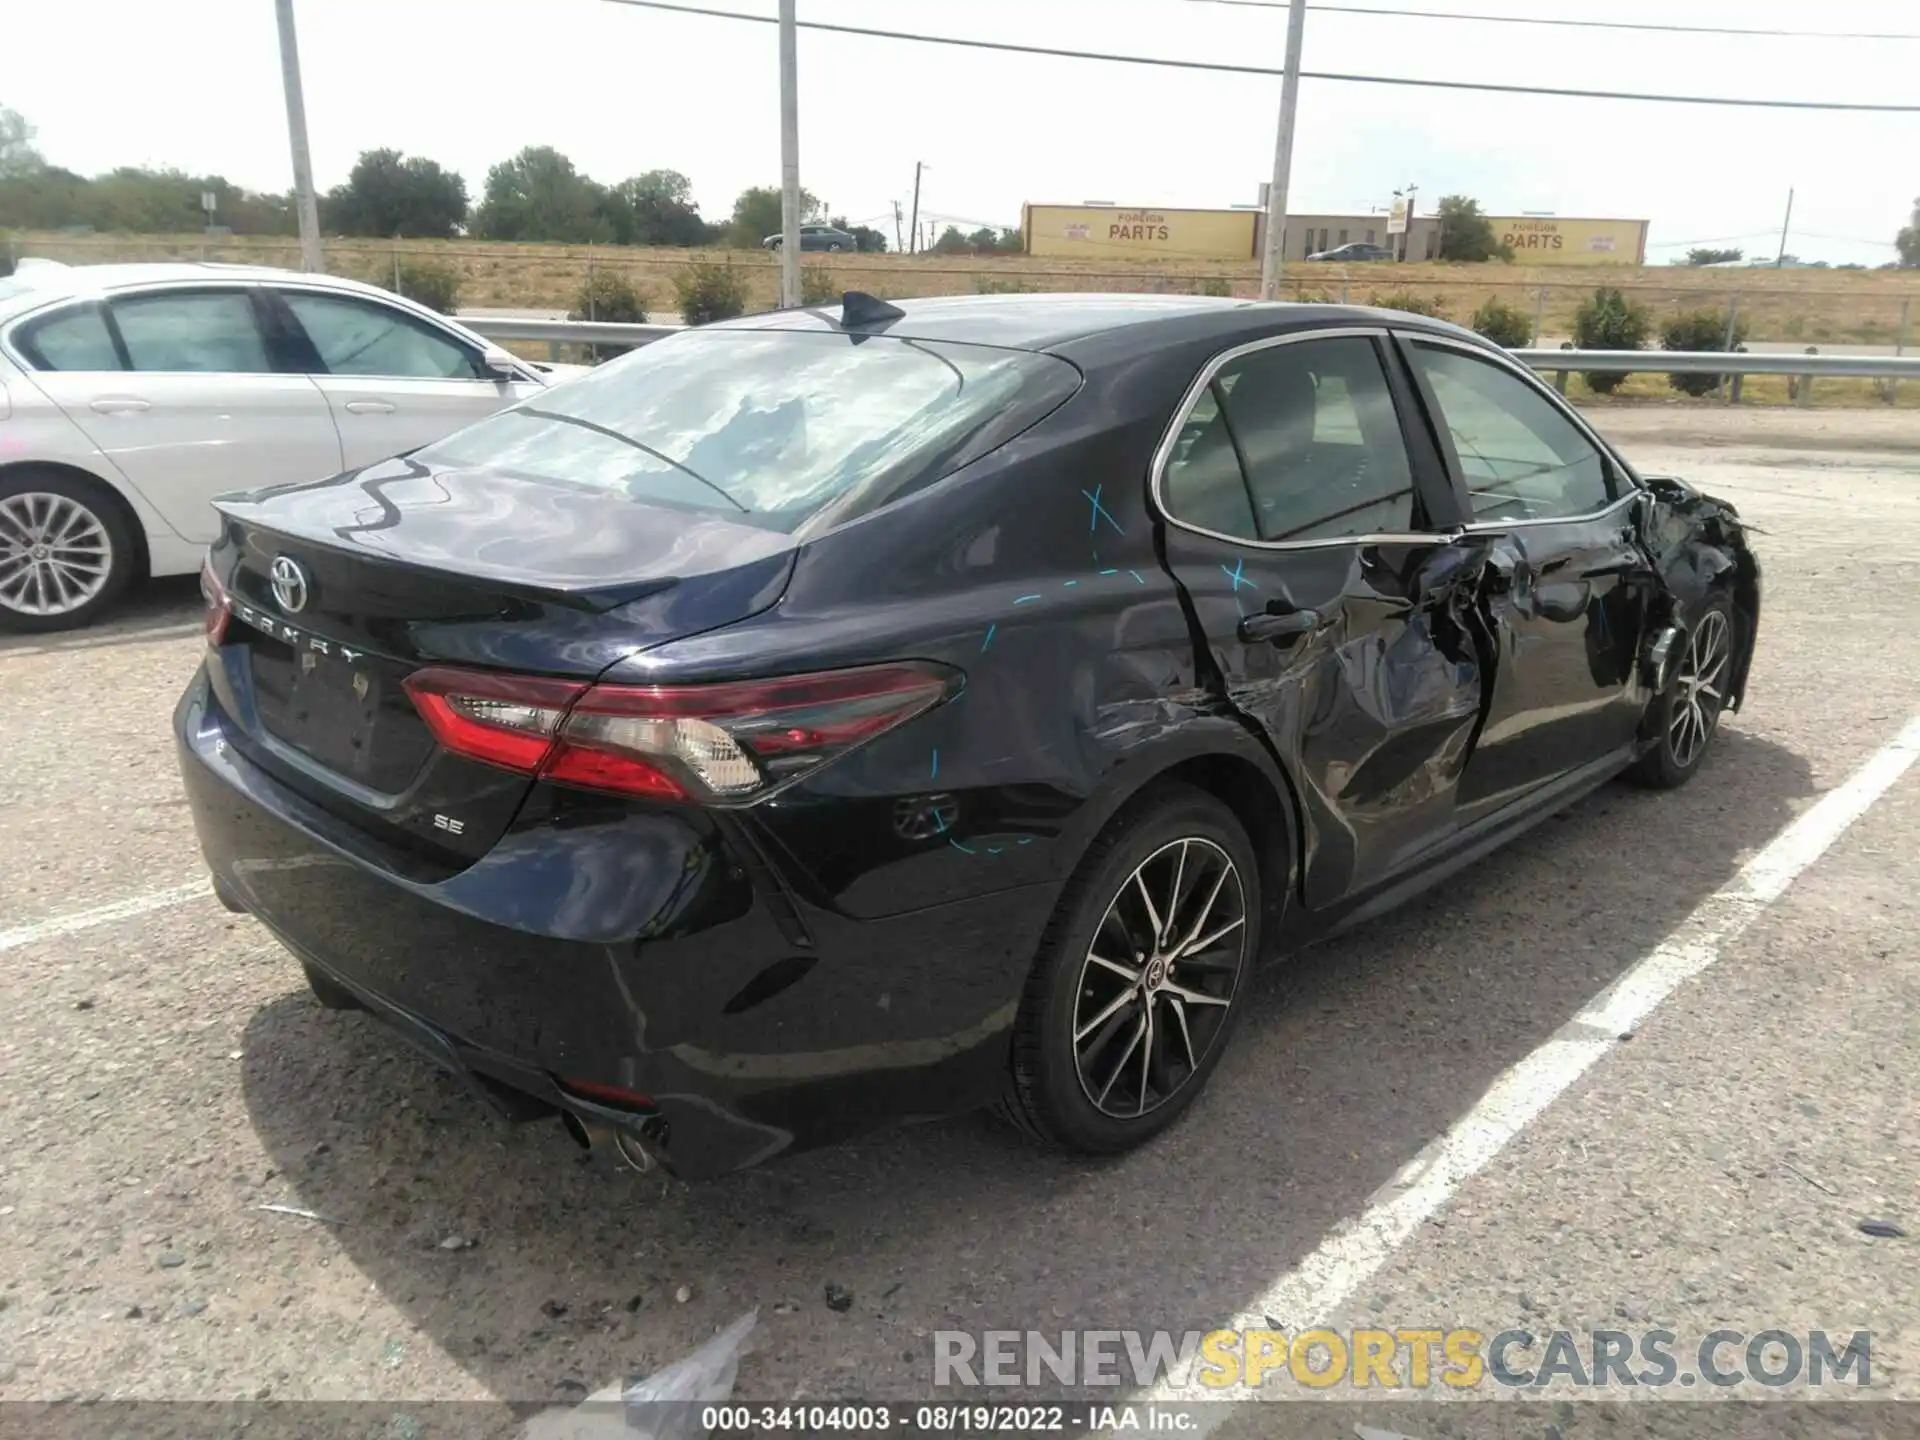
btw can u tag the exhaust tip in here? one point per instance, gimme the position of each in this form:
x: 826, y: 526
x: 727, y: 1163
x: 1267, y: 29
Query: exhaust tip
x: 598, y: 1139
x: 576, y: 1131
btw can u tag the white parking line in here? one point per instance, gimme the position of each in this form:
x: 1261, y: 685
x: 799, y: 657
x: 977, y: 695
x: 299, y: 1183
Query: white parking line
x: 102, y: 914
x: 1309, y: 1293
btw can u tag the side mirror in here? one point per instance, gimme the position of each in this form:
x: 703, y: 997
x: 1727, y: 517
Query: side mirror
x: 498, y: 364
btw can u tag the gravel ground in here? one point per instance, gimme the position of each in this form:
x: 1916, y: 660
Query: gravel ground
x: 166, y: 1075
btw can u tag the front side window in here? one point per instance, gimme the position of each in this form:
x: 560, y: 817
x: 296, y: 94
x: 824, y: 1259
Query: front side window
x: 208, y: 331
x: 773, y: 428
x: 76, y: 339
x: 360, y: 337
x: 1521, y: 458
x: 1311, y: 432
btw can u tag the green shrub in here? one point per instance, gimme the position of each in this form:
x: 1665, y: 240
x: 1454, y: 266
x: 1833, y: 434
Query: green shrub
x: 1213, y: 285
x: 1609, y: 321
x: 1699, y: 330
x: 1503, y: 324
x: 1432, y: 306
x: 818, y: 287
x: 609, y: 296
x: 433, y: 283
x: 710, y: 290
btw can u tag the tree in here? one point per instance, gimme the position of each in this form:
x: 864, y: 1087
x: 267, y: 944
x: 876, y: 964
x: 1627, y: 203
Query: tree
x: 1908, y: 240
x: 18, y: 157
x: 1706, y: 255
x: 539, y: 195
x: 1466, y: 234
x: 655, y: 209
x: 388, y: 193
x: 756, y: 214
x: 952, y: 242
x: 865, y: 237
x: 1700, y: 330
x: 1609, y: 321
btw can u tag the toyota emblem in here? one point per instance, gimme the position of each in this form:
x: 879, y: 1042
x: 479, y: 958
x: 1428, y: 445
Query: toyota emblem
x: 289, y: 584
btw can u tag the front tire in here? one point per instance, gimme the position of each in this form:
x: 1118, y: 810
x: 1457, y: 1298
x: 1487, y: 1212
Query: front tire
x: 1136, y: 987
x: 1688, y: 715
x: 66, y: 551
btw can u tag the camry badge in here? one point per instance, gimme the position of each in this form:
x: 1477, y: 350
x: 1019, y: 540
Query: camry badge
x: 289, y: 584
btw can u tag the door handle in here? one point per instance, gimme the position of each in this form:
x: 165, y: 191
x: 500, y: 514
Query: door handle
x: 118, y: 405
x: 1288, y: 626
x: 369, y: 407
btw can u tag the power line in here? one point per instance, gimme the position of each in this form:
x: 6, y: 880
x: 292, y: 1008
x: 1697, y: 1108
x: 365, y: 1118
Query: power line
x: 1221, y: 68
x: 1570, y: 24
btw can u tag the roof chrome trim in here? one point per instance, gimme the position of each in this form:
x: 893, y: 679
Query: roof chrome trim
x: 1163, y: 452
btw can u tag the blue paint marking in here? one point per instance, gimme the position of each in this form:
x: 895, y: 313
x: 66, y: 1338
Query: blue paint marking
x: 995, y: 849
x: 1065, y: 583
x: 1100, y: 512
x: 961, y: 848
x: 1022, y: 600
x: 1109, y: 572
x: 939, y: 823
x: 1236, y: 577
x: 936, y: 766
x: 1026, y: 839
x: 1136, y: 576
x: 989, y: 640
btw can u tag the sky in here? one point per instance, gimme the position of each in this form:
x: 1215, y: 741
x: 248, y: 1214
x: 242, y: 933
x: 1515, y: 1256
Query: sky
x: 623, y: 90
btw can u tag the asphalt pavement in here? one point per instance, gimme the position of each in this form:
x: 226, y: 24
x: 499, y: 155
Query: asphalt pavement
x: 1708, y: 1166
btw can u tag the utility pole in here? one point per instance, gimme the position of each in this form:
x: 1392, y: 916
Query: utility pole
x: 1273, y: 253
x: 914, y: 228
x: 305, y: 205
x: 789, y: 157
x: 898, y: 243
x: 1781, y: 258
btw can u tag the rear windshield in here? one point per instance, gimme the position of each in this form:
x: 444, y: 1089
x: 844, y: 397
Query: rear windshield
x: 771, y: 427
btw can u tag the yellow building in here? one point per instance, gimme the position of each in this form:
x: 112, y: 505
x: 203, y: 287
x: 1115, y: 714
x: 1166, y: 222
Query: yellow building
x: 1120, y: 232
x: 1550, y: 240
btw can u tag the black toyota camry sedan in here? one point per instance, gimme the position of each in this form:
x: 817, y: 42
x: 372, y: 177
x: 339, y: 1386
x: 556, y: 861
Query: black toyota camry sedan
x: 876, y: 711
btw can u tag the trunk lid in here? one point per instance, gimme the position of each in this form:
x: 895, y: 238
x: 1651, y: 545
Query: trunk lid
x: 403, y: 565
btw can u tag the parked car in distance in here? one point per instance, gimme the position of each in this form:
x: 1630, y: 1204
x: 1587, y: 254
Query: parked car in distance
x: 816, y: 237
x: 1354, y: 252
x: 842, y: 715
x: 130, y: 395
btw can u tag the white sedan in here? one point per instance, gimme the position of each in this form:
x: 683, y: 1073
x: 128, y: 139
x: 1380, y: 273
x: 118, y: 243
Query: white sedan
x: 130, y: 395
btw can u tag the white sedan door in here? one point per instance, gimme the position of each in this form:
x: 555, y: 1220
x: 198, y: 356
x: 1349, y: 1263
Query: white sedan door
x: 186, y: 403
x: 394, y: 380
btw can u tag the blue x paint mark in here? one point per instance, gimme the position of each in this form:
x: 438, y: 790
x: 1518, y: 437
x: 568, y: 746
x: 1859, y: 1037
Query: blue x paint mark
x: 1136, y: 577
x: 1026, y: 839
x: 1023, y: 599
x: 995, y: 849
x: 1066, y: 583
x: 1237, y: 578
x: 961, y: 848
x: 1109, y: 572
x: 935, y: 775
x: 1100, y: 512
x: 989, y: 640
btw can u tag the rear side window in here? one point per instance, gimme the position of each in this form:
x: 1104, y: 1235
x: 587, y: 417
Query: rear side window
x: 358, y: 337
x: 198, y: 331
x: 75, y: 339
x: 1309, y: 434
x: 772, y: 428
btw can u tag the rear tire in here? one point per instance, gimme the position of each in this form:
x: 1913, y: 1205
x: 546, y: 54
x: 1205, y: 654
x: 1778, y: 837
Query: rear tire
x: 1122, y: 1021
x: 67, y: 550
x: 1688, y: 715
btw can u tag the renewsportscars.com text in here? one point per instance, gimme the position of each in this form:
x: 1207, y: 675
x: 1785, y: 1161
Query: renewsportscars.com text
x: 1401, y: 1359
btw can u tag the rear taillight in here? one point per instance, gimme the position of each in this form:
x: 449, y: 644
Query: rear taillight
x: 729, y: 742
x: 218, y: 611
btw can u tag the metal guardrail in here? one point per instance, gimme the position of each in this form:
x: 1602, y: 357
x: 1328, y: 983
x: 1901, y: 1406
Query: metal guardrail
x: 1624, y: 362
x: 1717, y: 362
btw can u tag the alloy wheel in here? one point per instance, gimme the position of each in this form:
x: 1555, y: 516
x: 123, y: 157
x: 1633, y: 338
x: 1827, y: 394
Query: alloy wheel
x: 1698, y: 695
x: 55, y: 554
x: 1159, y: 977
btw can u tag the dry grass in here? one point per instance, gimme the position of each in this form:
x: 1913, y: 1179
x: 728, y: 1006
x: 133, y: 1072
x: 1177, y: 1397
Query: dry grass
x: 1811, y: 306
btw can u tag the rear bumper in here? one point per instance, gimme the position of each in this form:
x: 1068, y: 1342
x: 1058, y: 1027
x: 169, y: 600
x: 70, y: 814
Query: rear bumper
x: 639, y: 952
